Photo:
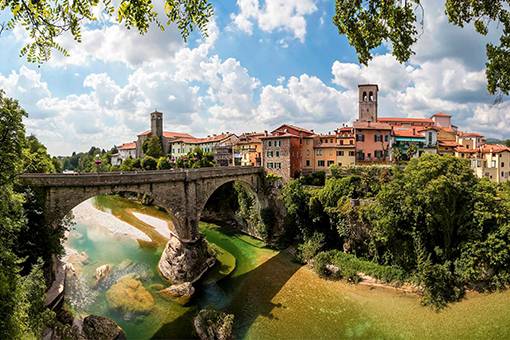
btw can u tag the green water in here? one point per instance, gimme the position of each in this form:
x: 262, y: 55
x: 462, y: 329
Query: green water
x: 272, y: 297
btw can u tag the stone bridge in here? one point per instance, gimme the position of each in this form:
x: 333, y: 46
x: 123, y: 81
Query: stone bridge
x: 183, y: 193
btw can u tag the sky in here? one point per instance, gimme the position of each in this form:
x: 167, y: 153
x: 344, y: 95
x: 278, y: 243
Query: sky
x: 263, y: 63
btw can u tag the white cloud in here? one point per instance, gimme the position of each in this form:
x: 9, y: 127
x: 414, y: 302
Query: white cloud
x: 287, y: 15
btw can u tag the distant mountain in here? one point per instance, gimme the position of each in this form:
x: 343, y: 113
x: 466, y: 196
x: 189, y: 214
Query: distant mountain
x: 498, y: 141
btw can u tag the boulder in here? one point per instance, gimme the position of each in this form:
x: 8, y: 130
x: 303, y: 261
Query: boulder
x: 101, y: 328
x: 181, y: 292
x: 129, y: 296
x: 102, y: 272
x: 211, y: 324
x: 185, y: 262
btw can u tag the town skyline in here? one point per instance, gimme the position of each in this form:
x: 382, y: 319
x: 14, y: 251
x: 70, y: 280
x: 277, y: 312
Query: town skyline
x: 256, y: 66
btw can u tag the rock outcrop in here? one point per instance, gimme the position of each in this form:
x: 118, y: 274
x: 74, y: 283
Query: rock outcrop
x: 101, y: 328
x: 211, y: 324
x: 181, y: 293
x: 102, y: 272
x: 130, y: 296
x: 185, y: 262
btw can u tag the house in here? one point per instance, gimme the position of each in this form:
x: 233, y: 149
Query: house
x: 491, y: 161
x: 470, y: 140
x: 346, y: 152
x: 282, y: 150
x: 249, y: 149
x: 325, y: 150
x: 405, y: 140
x: 221, y: 146
x: 124, y: 151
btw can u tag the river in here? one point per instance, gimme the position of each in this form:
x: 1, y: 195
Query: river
x: 271, y: 296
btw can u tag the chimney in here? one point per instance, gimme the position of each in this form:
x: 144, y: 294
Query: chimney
x: 265, y: 132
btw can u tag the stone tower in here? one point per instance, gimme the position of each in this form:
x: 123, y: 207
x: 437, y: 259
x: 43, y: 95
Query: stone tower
x: 368, y: 102
x: 157, y: 124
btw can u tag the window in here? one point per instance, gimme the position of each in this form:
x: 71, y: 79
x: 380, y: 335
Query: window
x: 493, y: 163
x: 339, y: 153
x: 320, y: 163
x: 269, y: 165
x: 339, y: 163
x: 430, y: 137
x: 365, y: 98
x: 502, y: 174
x: 386, y: 138
x: 269, y: 143
x: 341, y: 142
x: 378, y: 154
x: 278, y: 165
x: 277, y: 153
x: 307, y: 162
x: 360, y: 137
x: 330, y: 163
x: 270, y: 154
x: 502, y: 164
x: 369, y: 155
x: 351, y: 153
x: 351, y: 142
x: 318, y: 152
x: 371, y: 96
x: 360, y: 155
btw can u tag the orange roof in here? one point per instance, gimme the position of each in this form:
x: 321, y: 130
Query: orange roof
x: 494, y: 148
x: 448, y: 143
x: 405, y: 120
x: 371, y: 125
x: 441, y: 114
x: 127, y: 146
x: 167, y: 134
x: 210, y: 139
x: 407, y: 133
x: 470, y: 134
x: 297, y: 128
x: 281, y: 135
x: 465, y: 150
x: 170, y: 134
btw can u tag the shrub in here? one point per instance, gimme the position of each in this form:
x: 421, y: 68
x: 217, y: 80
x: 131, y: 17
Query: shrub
x: 149, y: 163
x: 310, y: 247
x: 164, y: 163
x: 317, y: 179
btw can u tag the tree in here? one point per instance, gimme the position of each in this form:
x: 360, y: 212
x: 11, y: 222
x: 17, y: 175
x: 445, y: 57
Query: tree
x: 411, y: 151
x: 45, y: 21
x: 196, y: 158
x: 36, y: 157
x: 368, y: 24
x: 21, y: 309
x: 152, y: 147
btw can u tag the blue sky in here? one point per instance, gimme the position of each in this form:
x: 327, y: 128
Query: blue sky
x: 264, y: 63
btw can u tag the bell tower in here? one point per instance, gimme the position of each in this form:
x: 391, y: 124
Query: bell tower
x: 157, y: 124
x: 368, y: 102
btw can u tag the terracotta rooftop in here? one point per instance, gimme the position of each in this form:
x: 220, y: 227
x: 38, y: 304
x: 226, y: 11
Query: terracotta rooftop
x: 168, y: 134
x: 465, y: 150
x: 410, y: 133
x: 448, y: 143
x: 297, y: 128
x: 127, y: 146
x: 405, y: 120
x: 371, y: 125
x: 210, y: 139
x: 494, y: 148
x: 441, y: 114
x: 470, y: 134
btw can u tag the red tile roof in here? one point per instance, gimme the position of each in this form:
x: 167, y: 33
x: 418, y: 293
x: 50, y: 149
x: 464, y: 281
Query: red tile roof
x: 448, y: 143
x: 441, y: 114
x: 470, y: 134
x: 210, y: 139
x: 371, y: 126
x: 167, y: 134
x: 465, y: 150
x: 412, y: 133
x: 405, y: 120
x: 127, y: 146
x: 494, y: 148
x: 297, y: 128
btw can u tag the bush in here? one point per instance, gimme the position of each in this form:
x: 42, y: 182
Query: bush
x: 149, y: 163
x: 137, y: 163
x: 310, y: 247
x: 349, y: 266
x: 164, y: 163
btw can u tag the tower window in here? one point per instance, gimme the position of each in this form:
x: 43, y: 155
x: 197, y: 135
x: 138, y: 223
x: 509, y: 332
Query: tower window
x: 365, y: 98
x: 371, y: 96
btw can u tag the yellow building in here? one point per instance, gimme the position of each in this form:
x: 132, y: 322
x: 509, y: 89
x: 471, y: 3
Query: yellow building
x: 249, y: 148
x: 492, y: 162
